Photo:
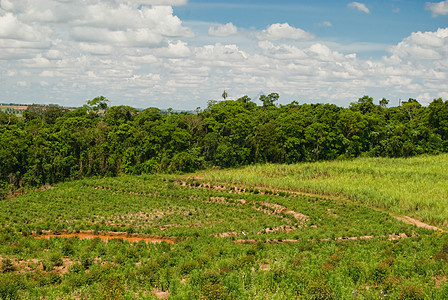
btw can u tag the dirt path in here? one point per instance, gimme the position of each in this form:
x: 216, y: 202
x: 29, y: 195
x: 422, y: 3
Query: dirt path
x: 420, y: 224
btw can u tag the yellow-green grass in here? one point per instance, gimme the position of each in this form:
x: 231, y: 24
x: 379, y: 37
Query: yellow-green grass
x: 417, y: 186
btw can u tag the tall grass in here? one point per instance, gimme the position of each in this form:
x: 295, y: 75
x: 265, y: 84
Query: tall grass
x: 416, y: 186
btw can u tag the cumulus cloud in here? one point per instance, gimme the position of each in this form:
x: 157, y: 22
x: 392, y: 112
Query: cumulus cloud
x: 283, y: 31
x: 135, y: 53
x: 359, y: 6
x: 423, y: 46
x: 96, y: 48
x: 12, y: 28
x: 220, y: 54
x: 178, y: 49
x: 222, y: 30
x: 437, y: 8
x: 281, y: 51
x: 115, y: 21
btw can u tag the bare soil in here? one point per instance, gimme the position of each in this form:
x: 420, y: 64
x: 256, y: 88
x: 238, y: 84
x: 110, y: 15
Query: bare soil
x: 107, y: 237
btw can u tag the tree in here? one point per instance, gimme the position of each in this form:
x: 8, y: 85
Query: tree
x: 224, y: 95
x: 269, y: 100
x: 411, y: 107
x: 246, y: 101
x: 365, y: 105
x: 384, y: 102
x: 98, y: 103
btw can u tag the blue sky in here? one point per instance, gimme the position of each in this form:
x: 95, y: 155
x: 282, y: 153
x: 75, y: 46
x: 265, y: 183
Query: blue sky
x: 386, y: 23
x: 181, y: 53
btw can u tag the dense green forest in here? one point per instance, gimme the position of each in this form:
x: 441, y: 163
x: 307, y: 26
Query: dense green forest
x: 51, y: 143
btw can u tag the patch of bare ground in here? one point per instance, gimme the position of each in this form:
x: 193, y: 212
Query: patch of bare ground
x: 23, y: 265
x: 390, y: 237
x: 440, y: 280
x: 279, y: 209
x: 161, y: 294
x: 418, y: 223
x: 24, y: 192
x: 105, y: 237
x: 226, y: 234
x: 261, y: 190
x: 285, y: 228
x: 33, y: 264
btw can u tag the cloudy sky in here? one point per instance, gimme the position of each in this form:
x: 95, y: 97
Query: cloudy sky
x: 181, y: 53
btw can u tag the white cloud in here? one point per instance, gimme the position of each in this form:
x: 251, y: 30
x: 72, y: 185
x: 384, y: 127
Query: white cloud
x: 438, y: 8
x: 96, y: 49
x: 36, y: 62
x: 283, y: 31
x: 143, y: 37
x: 325, y: 24
x: 144, y: 56
x: 222, y: 30
x: 359, y: 6
x: 281, y: 51
x: 143, y: 59
x: 164, y: 2
x: 12, y: 28
x: 178, y: 49
x: 423, y: 46
x: 218, y: 54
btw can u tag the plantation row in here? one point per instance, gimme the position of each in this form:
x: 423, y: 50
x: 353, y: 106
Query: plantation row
x: 52, y: 144
x: 228, y: 243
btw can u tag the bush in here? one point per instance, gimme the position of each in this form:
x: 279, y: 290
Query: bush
x: 7, y: 266
x: 112, y: 289
x: 319, y: 290
x: 412, y: 292
x: 380, y: 273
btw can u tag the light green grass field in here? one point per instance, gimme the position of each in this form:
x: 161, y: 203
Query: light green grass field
x: 416, y: 186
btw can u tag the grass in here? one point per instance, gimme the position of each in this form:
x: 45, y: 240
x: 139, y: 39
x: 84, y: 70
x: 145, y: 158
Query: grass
x: 416, y: 186
x: 265, y: 242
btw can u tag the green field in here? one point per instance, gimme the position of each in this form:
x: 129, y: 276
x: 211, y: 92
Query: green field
x: 248, y: 233
x: 416, y: 186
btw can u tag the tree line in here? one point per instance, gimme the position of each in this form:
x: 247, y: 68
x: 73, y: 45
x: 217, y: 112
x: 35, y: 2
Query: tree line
x: 51, y: 143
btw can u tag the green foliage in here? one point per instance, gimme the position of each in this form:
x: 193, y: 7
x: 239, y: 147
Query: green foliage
x: 51, y: 144
x: 222, y: 249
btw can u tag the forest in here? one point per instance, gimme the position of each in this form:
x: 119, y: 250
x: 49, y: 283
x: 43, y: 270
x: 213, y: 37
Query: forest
x: 50, y: 144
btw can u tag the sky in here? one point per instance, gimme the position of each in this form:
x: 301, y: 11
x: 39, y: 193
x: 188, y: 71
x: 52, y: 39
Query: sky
x: 181, y: 53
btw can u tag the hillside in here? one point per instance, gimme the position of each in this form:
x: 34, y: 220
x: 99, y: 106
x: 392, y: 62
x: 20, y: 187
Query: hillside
x: 230, y: 234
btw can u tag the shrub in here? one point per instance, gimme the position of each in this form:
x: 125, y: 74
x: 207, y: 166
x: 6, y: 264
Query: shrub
x: 7, y: 266
x: 319, y: 290
x: 379, y: 273
x: 112, y: 289
x: 412, y: 292
x: 8, y: 287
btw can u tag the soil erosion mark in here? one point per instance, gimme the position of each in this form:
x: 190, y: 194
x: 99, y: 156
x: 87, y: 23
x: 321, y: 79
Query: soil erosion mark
x: 105, y: 237
x: 409, y: 220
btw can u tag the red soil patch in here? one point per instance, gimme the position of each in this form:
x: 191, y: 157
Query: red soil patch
x: 106, y: 237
